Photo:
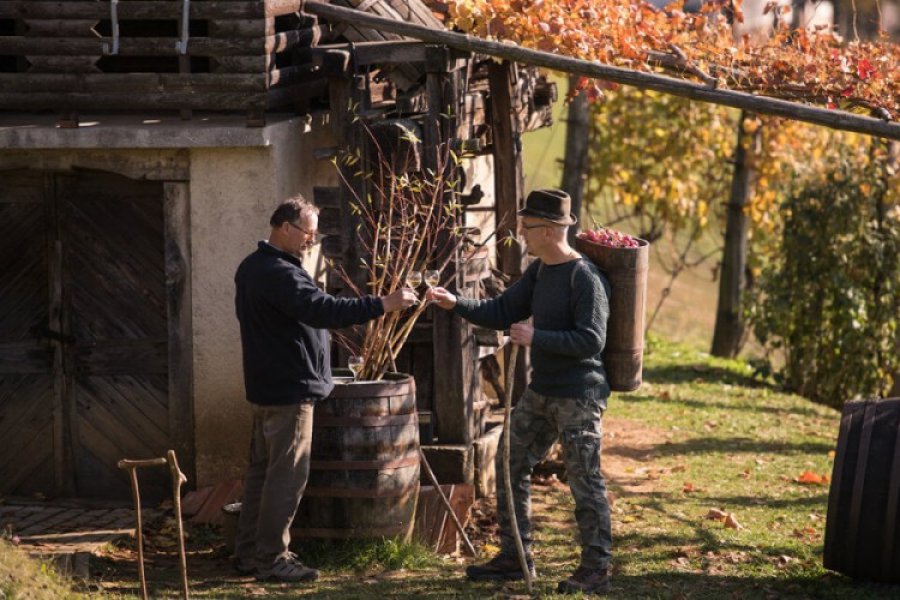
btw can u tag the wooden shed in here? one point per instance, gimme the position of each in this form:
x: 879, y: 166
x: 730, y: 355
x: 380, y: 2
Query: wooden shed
x: 143, y: 146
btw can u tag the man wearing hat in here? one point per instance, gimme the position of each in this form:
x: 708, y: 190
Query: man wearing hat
x: 568, y: 298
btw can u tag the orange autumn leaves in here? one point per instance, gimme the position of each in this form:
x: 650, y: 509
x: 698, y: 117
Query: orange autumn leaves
x: 810, y: 478
x: 809, y: 66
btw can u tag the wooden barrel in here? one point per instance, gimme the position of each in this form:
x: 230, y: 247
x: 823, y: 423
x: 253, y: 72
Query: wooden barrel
x: 862, y: 531
x: 364, y: 472
x: 626, y: 269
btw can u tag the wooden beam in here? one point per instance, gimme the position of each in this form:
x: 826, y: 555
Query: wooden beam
x: 381, y: 52
x: 148, y: 9
x: 149, y: 46
x: 200, y: 100
x: 834, y: 119
x: 140, y: 82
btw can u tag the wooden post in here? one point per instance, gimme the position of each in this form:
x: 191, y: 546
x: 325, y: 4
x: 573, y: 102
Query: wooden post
x: 454, y: 374
x: 345, y: 97
x: 508, y: 188
x: 575, y: 163
x: 508, y: 177
x: 177, y: 211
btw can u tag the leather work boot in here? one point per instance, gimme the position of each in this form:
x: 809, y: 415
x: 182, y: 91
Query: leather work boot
x: 586, y: 580
x: 502, y: 567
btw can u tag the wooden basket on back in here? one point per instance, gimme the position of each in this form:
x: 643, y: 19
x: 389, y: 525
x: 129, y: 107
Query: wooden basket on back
x: 626, y: 270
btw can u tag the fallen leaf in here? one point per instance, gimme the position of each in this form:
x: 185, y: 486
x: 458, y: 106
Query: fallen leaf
x: 746, y: 474
x: 784, y: 560
x: 810, y: 478
x: 490, y: 549
x: 688, y: 487
x: 806, y: 533
x: 715, y: 514
x: 732, y: 523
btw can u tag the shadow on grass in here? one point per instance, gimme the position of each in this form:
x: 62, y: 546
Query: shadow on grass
x: 693, y: 372
x: 448, y: 580
x: 769, y: 502
x: 719, y: 445
x: 732, y: 445
x: 674, y: 584
x: 731, y: 405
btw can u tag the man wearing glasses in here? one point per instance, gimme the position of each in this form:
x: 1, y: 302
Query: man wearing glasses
x: 284, y: 319
x: 569, y: 301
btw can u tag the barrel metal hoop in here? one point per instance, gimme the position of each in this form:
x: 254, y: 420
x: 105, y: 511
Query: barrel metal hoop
x: 320, y: 492
x: 859, y: 478
x: 893, y: 506
x: 409, y: 460
x: 371, y: 421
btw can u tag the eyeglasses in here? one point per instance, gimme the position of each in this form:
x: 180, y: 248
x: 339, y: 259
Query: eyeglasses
x: 298, y: 228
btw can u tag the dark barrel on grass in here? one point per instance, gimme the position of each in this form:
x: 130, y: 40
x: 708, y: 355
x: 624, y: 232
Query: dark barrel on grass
x: 626, y: 270
x: 364, y: 472
x: 862, y: 531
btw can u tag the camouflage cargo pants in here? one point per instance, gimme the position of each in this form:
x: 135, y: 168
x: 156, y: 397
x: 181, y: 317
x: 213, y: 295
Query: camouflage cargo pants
x: 537, y: 422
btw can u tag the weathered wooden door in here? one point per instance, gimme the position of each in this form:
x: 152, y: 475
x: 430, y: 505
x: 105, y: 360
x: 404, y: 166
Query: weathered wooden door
x: 84, y: 346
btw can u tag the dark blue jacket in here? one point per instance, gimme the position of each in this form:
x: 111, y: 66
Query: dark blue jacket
x: 284, y: 320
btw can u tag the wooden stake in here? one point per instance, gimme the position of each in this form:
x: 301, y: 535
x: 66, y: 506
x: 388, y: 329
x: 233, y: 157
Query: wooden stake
x: 507, y: 479
x: 447, y: 504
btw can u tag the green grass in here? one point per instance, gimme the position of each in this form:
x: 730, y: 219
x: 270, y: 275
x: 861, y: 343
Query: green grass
x: 364, y: 557
x: 24, y: 578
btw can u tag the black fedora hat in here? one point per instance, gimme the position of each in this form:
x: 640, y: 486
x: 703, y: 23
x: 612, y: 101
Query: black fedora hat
x: 552, y: 205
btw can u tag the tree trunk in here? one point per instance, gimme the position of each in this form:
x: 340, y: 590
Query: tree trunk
x: 575, y: 162
x: 729, y: 330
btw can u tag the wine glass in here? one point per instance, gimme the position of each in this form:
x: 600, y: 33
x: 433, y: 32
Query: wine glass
x: 414, y: 279
x: 432, y: 277
x: 356, y: 364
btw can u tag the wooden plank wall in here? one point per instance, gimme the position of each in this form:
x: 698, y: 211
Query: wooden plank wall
x: 59, y: 56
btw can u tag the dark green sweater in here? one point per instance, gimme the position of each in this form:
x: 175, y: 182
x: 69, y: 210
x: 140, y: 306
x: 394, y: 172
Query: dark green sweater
x: 570, y: 314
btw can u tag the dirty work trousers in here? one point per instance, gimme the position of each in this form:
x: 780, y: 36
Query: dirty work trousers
x: 537, y: 421
x: 275, y: 480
